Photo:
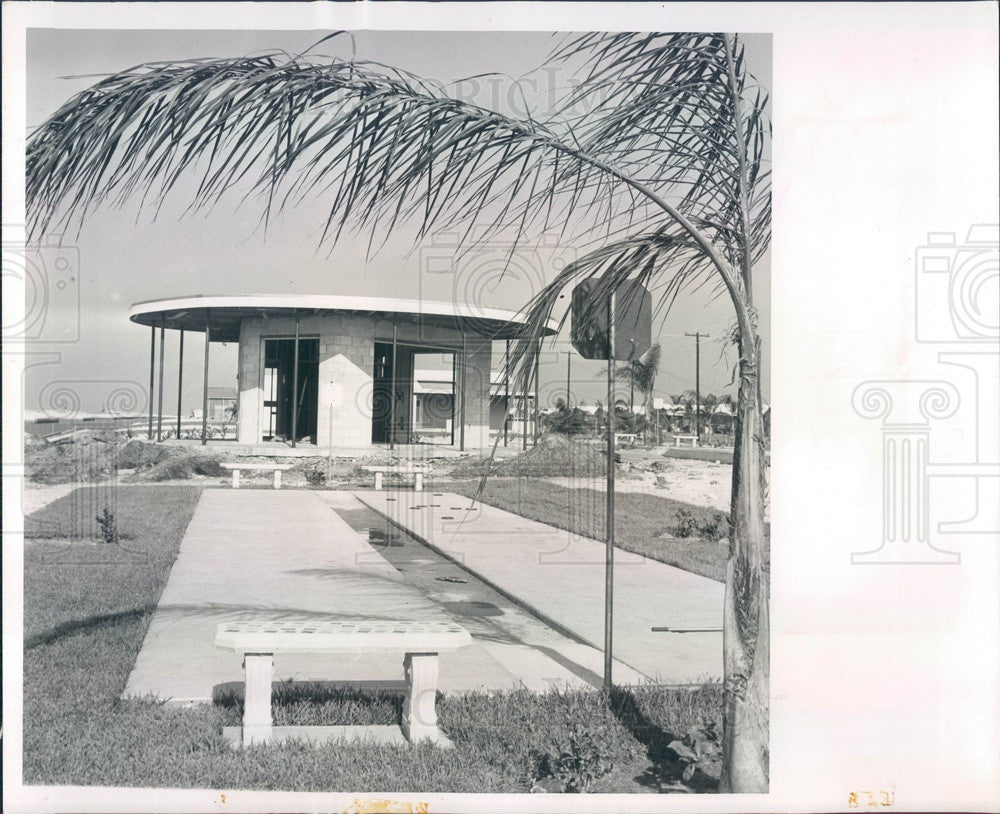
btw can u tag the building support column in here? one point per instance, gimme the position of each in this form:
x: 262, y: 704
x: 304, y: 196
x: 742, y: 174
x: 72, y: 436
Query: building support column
x: 392, y: 392
x: 454, y: 394
x: 461, y: 436
x: 506, y: 390
x: 152, y: 371
x: 204, y: 389
x: 180, y: 382
x: 538, y: 363
x: 609, y: 517
x: 295, y: 384
x: 159, y: 401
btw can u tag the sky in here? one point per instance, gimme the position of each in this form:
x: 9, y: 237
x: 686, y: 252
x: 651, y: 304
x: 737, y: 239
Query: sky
x: 122, y: 256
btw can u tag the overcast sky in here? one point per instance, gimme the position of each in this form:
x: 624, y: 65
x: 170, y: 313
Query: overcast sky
x: 124, y: 256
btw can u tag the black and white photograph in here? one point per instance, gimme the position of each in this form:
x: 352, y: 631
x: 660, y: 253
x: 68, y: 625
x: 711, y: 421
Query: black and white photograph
x: 389, y: 411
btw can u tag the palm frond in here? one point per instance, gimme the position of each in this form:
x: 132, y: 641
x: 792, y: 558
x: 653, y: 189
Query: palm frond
x: 379, y: 145
x: 668, y: 102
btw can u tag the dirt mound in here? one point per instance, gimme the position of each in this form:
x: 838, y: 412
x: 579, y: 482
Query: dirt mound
x: 556, y: 456
x: 88, y: 457
x: 180, y: 465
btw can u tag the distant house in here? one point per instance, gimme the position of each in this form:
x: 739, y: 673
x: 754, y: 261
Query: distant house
x: 434, y: 405
x: 222, y: 403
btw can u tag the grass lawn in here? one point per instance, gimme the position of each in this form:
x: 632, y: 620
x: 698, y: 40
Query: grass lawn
x: 652, y: 521
x: 87, y: 608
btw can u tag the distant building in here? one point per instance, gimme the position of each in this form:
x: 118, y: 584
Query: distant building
x: 337, y: 371
x: 222, y: 403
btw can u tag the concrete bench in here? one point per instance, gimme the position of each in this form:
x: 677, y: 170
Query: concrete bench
x: 380, y: 471
x: 420, y: 642
x: 692, y: 438
x: 238, y: 467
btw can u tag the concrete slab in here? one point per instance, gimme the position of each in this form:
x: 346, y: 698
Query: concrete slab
x: 291, y: 554
x: 284, y: 554
x: 560, y: 576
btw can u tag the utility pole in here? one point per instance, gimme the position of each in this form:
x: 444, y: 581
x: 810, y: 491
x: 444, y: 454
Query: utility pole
x: 697, y: 381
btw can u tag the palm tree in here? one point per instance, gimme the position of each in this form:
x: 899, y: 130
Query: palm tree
x: 641, y: 375
x: 654, y: 165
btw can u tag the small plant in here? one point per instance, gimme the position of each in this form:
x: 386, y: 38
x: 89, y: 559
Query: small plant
x: 108, y: 525
x: 686, y: 525
x: 576, y: 762
x: 700, y: 748
x: 317, y: 477
x: 714, y: 528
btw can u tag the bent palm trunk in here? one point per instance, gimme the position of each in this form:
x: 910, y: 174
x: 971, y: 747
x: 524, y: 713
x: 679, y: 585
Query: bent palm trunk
x: 745, y: 616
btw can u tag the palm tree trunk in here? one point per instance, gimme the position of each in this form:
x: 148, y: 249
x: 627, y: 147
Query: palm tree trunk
x: 745, y: 616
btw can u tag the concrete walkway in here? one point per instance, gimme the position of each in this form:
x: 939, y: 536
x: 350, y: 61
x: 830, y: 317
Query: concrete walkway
x: 288, y: 553
x: 561, y: 577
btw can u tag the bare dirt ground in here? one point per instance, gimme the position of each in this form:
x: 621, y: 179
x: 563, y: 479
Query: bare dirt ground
x: 700, y: 483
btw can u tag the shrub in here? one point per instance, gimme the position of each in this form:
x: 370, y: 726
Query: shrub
x: 577, y: 760
x: 700, y: 748
x: 317, y: 477
x: 714, y: 528
x: 686, y: 525
x: 108, y: 525
x: 586, y: 742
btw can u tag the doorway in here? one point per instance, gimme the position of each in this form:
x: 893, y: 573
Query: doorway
x: 280, y: 382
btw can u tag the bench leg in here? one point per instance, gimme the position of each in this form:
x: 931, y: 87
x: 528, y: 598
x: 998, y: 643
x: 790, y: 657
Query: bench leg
x: 277, y: 478
x: 257, y: 670
x: 378, y: 481
x: 236, y: 479
x: 418, y: 482
x: 419, y: 713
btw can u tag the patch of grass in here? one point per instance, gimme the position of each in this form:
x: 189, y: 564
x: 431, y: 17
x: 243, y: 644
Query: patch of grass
x: 87, y: 608
x: 649, y: 530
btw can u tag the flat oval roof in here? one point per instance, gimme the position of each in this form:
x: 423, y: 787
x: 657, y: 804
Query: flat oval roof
x: 193, y: 313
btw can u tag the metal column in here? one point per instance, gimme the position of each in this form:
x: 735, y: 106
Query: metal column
x: 609, y: 517
x: 204, y: 390
x: 159, y: 403
x: 392, y: 391
x: 152, y: 370
x: 506, y: 392
x: 538, y: 363
x: 461, y: 435
x: 180, y: 382
x: 295, y: 384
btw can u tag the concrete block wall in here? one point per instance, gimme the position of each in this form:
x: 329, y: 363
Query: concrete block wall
x: 346, y: 362
x: 475, y: 374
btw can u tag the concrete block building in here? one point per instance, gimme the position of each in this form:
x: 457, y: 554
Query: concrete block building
x: 338, y: 371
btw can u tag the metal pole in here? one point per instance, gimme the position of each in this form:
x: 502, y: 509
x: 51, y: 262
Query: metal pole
x: 609, y: 517
x: 538, y: 359
x: 506, y: 391
x: 152, y: 371
x: 454, y: 394
x: 524, y: 407
x: 180, y: 382
x: 204, y: 391
x: 392, y: 393
x: 295, y: 384
x: 159, y: 403
x: 461, y: 432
